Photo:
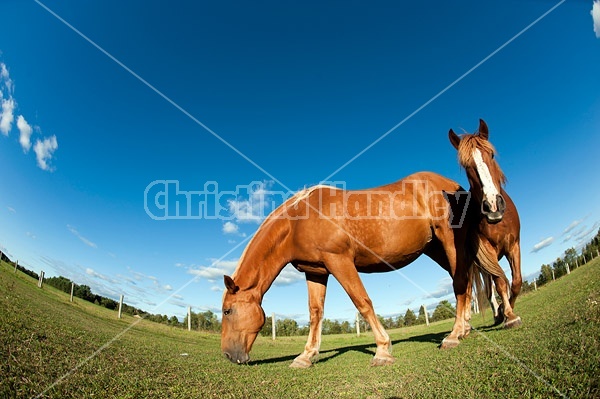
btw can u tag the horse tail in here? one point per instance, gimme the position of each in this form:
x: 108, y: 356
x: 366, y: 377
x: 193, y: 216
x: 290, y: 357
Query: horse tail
x: 481, y: 284
x: 487, y: 260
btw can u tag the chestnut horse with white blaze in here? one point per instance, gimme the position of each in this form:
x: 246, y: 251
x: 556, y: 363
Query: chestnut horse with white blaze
x: 326, y: 231
x: 498, y: 225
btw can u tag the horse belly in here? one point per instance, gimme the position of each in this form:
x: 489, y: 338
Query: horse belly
x: 394, y: 249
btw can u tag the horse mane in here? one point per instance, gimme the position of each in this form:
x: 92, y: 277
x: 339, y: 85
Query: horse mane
x: 275, y: 216
x: 305, y: 193
x: 468, y: 144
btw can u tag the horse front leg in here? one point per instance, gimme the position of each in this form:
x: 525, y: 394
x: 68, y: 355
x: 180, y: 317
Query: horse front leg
x: 317, y: 287
x: 344, y: 270
x: 461, y: 325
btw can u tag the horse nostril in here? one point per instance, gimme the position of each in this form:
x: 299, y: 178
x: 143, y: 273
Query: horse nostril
x: 500, y: 203
x: 228, y: 356
x: 485, y: 207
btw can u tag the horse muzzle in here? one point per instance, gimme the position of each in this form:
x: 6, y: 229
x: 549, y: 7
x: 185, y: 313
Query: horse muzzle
x: 493, y: 212
x: 237, y: 357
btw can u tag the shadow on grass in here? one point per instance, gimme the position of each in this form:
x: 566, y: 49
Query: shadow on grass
x: 369, y: 349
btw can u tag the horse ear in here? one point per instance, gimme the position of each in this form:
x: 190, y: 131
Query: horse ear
x: 483, y: 130
x: 454, y: 139
x: 230, y: 285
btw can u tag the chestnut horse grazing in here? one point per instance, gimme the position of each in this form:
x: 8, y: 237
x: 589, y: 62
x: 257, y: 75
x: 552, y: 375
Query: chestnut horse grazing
x: 323, y: 230
x: 498, y: 225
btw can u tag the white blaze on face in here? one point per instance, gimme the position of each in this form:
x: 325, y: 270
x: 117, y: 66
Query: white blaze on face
x: 490, y: 192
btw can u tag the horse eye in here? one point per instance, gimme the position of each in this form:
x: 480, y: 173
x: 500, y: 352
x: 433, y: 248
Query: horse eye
x: 226, y: 312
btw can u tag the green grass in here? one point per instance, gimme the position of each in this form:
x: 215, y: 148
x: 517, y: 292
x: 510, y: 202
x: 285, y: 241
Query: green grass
x: 44, y: 337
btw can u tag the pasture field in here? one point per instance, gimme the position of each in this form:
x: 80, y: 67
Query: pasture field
x: 52, y: 348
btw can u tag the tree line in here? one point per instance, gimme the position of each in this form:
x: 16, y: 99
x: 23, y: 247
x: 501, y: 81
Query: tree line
x: 570, y: 259
x: 290, y: 327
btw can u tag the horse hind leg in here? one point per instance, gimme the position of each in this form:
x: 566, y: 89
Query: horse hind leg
x: 510, y: 318
x: 497, y: 310
x: 514, y: 259
x: 317, y: 287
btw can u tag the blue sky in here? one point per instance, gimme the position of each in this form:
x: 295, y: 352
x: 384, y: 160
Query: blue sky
x: 299, y: 89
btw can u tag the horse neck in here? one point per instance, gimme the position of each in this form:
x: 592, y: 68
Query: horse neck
x: 266, y: 255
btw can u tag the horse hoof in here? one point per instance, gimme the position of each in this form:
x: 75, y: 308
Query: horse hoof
x: 449, y: 343
x: 514, y: 323
x: 382, y: 361
x: 300, y: 364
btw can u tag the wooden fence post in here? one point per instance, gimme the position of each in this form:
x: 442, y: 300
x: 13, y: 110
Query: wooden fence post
x: 120, y: 305
x: 41, y: 279
x: 189, y: 318
x: 426, y: 315
x: 273, y: 324
x: 16, y: 265
x: 568, y: 269
x: 357, y: 325
x: 72, y: 288
x: 535, y: 285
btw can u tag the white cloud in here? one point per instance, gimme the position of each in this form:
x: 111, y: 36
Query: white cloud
x: 444, y: 288
x: 583, y: 235
x: 44, y: 151
x: 82, y: 238
x: 215, y: 270
x: 596, y: 17
x: 4, y: 76
x: 289, y: 275
x: 573, y: 224
x: 93, y: 273
x: 6, y: 115
x: 25, y: 131
x: 543, y: 244
x: 256, y: 207
x: 168, y: 287
x: 11, y: 209
x: 230, y: 228
x: 30, y: 235
x: 216, y: 288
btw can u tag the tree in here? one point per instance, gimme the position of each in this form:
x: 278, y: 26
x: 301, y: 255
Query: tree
x: 409, y: 318
x: 545, y: 275
x: 286, y: 327
x: 421, y: 319
x: 560, y: 268
x: 570, y: 257
x: 267, y: 329
x: 444, y: 310
x: 399, y: 321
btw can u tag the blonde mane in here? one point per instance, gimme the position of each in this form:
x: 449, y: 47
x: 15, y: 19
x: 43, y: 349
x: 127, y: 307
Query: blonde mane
x: 290, y: 202
x: 468, y: 144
